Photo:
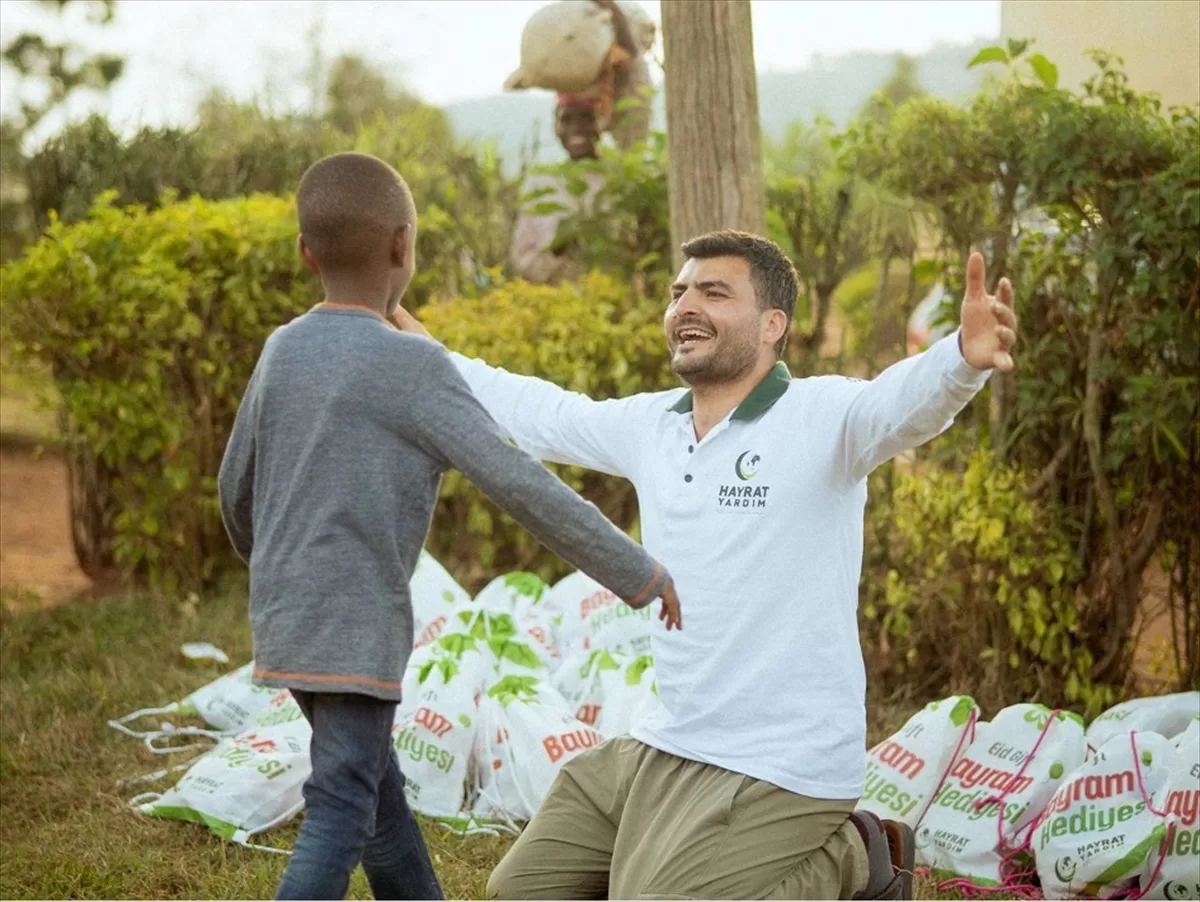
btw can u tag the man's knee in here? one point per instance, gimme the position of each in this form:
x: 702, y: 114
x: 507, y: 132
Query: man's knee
x: 504, y: 882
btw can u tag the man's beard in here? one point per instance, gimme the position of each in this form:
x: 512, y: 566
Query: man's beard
x: 725, y: 364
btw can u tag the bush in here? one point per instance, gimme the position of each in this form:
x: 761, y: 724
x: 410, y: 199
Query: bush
x: 465, y: 203
x: 969, y: 588
x: 151, y: 322
x: 591, y: 337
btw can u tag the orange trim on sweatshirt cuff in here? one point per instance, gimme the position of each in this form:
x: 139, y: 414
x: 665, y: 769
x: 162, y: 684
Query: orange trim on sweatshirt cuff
x: 324, y: 678
x: 648, y: 589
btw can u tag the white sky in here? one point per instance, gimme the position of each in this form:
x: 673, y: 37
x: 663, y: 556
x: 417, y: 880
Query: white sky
x: 445, y: 50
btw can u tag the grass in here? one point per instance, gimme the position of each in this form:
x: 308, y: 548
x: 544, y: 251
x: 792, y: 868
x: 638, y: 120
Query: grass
x: 66, y: 830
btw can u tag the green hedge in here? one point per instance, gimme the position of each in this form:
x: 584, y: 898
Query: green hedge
x: 151, y: 321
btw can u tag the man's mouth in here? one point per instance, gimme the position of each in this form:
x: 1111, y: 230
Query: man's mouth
x: 692, y: 337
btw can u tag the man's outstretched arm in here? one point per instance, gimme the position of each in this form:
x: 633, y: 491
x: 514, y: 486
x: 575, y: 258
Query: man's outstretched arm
x: 916, y: 399
x: 449, y: 423
x: 547, y: 421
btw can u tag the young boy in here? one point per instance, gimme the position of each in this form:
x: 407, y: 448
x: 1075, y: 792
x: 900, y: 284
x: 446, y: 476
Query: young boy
x: 327, y: 490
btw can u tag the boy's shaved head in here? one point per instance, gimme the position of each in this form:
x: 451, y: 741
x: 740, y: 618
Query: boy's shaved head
x: 351, y: 205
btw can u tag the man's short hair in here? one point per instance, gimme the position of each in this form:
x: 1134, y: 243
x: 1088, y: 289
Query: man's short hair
x: 349, y: 205
x: 771, y: 272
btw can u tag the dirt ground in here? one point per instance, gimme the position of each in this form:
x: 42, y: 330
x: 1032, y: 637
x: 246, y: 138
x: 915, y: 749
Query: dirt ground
x: 37, y: 562
x: 35, y: 530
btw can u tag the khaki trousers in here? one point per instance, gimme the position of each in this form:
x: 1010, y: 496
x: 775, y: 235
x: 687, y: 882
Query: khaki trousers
x: 626, y: 821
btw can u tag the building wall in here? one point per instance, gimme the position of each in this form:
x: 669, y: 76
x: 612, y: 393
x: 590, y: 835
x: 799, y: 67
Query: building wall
x: 1158, y: 39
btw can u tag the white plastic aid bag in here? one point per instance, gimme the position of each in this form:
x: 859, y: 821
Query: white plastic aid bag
x: 578, y: 681
x: 435, y: 730
x: 514, y: 593
x: 592, y: 617
x: 1173, y: 871
x: 228, y: 704
x: 1166, y: 715
x: 628, y: 695
x: 1097, y: 832
x: 513, y: 650
x: 435, y: 598
x: 906, y: 769
x: 976, y: 824
x: 527, y: 733
x: 622, y: 628
x: 573, y: 599
x: 246, y: 785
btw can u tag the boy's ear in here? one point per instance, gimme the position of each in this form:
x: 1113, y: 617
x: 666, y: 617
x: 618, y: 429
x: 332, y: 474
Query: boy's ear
x: 400, y: 246
x: 306, y: 256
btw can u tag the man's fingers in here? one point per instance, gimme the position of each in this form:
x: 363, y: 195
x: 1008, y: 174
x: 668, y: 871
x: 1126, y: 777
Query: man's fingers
x: 1004, y: 293
x: 976, y: 273
x: 1004, y: 315
x: 409, y: 323
x: 1003, y: 362
x: 1007, y: 337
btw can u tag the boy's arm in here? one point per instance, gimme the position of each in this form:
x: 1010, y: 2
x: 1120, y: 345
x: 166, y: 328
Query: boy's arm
x: 448, y: 421
x: 235, y: 480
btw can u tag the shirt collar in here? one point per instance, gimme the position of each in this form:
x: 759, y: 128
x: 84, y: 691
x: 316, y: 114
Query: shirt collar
x: 759, y: 401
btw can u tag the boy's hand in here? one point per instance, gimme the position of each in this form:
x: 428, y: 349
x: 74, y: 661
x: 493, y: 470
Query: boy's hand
x: 670, y: 606
x: 406, y: 322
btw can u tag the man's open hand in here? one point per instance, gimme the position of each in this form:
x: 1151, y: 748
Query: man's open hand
x: 989, y: 325
x: 670, y: 607
x: 406, y: 322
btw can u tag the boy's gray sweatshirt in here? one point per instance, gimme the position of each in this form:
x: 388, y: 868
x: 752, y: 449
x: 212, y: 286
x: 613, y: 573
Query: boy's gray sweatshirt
x: 328, y: 487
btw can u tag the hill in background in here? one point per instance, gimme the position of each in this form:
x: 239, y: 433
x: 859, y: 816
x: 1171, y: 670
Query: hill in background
x: 835, y: 87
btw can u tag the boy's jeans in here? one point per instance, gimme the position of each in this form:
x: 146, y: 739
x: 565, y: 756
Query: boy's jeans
x: 355, y: 807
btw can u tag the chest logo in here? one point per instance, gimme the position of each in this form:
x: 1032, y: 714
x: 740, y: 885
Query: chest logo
x: 747, y: 466
x: 740, y: 494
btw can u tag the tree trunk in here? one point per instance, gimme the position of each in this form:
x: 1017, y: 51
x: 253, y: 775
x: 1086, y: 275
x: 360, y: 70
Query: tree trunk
x: 878, y: 307
x: 714, y: 143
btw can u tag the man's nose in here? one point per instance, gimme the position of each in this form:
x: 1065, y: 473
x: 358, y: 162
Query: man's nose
x: 687, y: 304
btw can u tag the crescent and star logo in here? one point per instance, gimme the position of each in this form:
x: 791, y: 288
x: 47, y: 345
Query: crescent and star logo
x: 747, y: 466
x: 740, y: 495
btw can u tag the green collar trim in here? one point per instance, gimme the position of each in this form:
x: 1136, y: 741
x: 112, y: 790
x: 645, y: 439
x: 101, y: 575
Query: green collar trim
x: 758, y: 402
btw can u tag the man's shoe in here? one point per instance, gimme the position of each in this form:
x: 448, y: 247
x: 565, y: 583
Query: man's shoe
x: 891, y: 856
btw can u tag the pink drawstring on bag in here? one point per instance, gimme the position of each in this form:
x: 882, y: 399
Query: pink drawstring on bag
x: 1012, y: 885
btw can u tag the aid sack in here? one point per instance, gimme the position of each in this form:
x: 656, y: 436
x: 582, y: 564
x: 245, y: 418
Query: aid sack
x: 996, y: 790
x: 1098, y: 831
x: 1178, y: 874
x: 906, y: 769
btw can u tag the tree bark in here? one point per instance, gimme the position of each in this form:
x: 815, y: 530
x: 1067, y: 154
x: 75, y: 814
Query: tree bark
x: 714, y: 143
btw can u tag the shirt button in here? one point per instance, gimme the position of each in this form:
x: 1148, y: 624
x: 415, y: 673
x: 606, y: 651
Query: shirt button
x: 691, y: 448
x: 687, y: 478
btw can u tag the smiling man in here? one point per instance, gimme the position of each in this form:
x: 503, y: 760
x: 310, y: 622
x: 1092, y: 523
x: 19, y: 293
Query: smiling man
x: 751, y: 486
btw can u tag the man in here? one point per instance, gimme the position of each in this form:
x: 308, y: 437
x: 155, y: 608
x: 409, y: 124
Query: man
x: 751, y: 486
x: 532, y: 253
x: 622, y: 108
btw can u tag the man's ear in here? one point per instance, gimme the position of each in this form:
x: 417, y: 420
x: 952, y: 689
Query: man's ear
x: 776, y: 326
x: 400, y: 246
x: 306, y: 256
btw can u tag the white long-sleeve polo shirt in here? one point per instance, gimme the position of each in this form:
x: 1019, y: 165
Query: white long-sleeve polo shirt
x: 761, y: 525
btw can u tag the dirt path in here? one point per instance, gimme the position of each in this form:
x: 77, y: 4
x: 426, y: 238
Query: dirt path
x: 35, y: 530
